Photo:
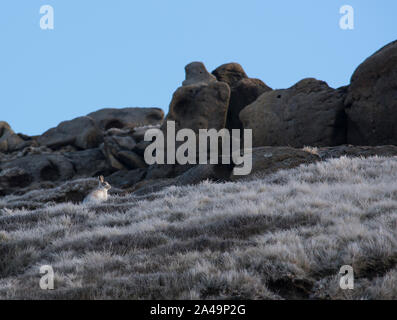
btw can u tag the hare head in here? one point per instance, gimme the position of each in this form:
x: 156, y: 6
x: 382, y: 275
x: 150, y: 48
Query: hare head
x: 103, y: 184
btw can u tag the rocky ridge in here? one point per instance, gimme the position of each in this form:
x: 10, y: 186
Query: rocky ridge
x: 305, y: 123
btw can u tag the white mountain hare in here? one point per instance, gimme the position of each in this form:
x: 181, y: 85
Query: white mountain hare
x: 100, y: 193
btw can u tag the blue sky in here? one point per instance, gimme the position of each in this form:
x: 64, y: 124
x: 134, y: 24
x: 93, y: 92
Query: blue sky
x: 127, y: 53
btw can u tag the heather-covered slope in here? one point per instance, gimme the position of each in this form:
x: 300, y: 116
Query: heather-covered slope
x: 282, y: 236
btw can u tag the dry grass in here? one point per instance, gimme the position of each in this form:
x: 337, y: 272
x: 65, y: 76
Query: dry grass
x: 283, y: 236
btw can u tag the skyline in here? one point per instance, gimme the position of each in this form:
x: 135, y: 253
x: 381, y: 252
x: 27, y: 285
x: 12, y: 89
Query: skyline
x: 128, y: 54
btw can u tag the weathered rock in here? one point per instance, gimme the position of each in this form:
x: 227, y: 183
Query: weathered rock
x: 118, y: 151
x: 9, y: 141
x: 356, y: 151
x: 139, y: 133
x: 81, y: 132
x: 123, y: 140
x: 147, y: 187
x: 372, y: 100
x: 244, y: 91
x: 110, y: 149
x: 131, y: 160
x: 30, y: 150
x: 127, y: 117
x: 266, y: 160
x: 141, y: 147
x: 14, y: 177
x: 199, y: 106
x: 34, y: 169
x: 309, y: 113
x: 231, y: 73
x: 70, y: 191
x: 25, y: 137
x: 165, y: 171
x: 126, y: 179
x: 48, y: 167
x: 22, y: 172
x: 196, y: 73
x: 34, y: 150
x: 191, y: 176
x: 203, y: 172
x: 89, y: 163
x: 202, y: 105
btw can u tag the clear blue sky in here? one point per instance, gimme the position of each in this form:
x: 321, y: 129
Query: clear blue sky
x: 126, y: 53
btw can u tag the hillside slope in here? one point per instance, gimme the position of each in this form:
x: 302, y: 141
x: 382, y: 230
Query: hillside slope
x: 283, y: 236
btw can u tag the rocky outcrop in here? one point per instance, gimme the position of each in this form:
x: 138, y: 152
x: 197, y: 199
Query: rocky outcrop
x: 54, y: 168
x: 82, y: 132
x: 110, y: 142
x: 64, y: 154
x: 309, y: 113
x: 87, y: 132
x: 201, y: 103
x: 371, y: 103
x: 126, y: 118
x: 9, y: 141
x: 265, y: 161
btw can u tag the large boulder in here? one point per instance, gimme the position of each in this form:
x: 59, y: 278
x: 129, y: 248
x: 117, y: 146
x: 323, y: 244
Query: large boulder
x: 9, y: 141
x: 371, y: 103
x: 126, y: 117
x: 199, y: 106
x: 201, y: 103
x: 244, y: 91
x: 82, y: 132
x: 309, y: 113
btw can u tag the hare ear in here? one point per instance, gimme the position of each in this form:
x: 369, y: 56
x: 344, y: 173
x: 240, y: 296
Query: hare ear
x: 101, y: 179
